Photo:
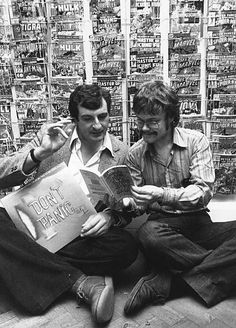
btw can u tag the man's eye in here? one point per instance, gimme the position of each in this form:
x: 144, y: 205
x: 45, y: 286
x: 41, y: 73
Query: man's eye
x: 87, y: 118
x: 152, y: 122
x: 102, y: 117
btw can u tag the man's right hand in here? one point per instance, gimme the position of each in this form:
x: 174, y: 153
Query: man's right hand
x: 130, y: 206
x: 52, y: 137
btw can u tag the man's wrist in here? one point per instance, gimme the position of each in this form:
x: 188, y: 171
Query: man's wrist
x: 114, y: 216
x: 40, y: 154
x: 34, y: 158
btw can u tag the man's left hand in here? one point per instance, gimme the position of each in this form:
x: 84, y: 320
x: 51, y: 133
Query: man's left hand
x: 96, y: 225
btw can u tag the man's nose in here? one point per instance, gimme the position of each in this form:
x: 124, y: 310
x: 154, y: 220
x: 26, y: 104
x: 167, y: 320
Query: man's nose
x: 97, y: 123
x: 145, y: 127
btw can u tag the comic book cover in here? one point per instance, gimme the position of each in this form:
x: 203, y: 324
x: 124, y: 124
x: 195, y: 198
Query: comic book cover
x: 224, y: 144
x: 116, y: 127
x: 225, y: 171
x: 60, y: 108
x: 67, y: 19
x: 223, y: 104
x: 185, y: 64
x: 5, y: 51
x: 222, y: 42
x: 192, y: 123
x: 114, y: 85
x: 30, y: 70
x: 6, y: 73
x: 5, y: 111
x: 226, y: 83
x: 145, y: 18
x: 182, y: 44
x: 68, y: 69
x: 6, y: 79
x: 30, y: 126
x: 185, y: 17
x: 146, y: 63
x: 67, y: 10
x: 31, y: 110
x: 108, y: 55
x: 33, y: 49
x: 28, y: 10
x: 226, y: 63
x: 30, y: 31
x: 145, y: 44
x: 223, y: 124
x: 218, y: 5
x: 5, y: 32
x: 64, y: 30
x: 190, y: 104
x: 68, y: 49
x: 61, y: 88
x: 31, y: 91
x: 106, y: 17
x: 186, y: 84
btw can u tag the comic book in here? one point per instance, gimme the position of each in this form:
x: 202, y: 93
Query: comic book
x: 114, y: 181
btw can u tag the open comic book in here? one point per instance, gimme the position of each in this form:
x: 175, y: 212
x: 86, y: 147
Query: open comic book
x: 51, y: 209
x: 114, y: 181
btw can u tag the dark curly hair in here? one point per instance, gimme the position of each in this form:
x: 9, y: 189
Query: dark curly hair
x: 89, y: 96
x: 154, y: 97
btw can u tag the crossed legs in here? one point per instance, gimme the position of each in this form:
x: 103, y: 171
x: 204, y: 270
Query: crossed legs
x: 200, y: 252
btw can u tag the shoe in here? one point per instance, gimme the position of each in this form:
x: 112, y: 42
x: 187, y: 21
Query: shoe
x: 98, y: 292
x: 151, y: 289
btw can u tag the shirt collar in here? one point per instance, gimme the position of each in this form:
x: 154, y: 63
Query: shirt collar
x: 179, y: 138
x: 75, y: 142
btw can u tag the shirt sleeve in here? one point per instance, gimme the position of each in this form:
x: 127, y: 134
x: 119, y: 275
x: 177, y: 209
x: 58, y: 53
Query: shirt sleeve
x: 11, y: 167
x: 134, y: 165
x: 197, y: 192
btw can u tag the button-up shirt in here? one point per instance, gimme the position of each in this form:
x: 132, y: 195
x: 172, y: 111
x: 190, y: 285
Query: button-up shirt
x: 188, y: 176
x: 76, y: 161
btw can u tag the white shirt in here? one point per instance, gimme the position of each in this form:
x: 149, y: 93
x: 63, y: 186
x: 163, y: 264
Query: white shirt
x: 76, y: 162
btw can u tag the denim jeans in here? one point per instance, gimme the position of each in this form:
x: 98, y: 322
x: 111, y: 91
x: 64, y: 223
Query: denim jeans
x: 35, y: 277
x: 191, y: 246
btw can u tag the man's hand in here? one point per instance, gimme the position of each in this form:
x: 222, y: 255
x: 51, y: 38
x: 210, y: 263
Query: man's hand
x: 146, y: 195
x: 52, y: 137
x: 96, y: 225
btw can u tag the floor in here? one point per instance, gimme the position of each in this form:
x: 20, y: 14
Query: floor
x: 183, y: 310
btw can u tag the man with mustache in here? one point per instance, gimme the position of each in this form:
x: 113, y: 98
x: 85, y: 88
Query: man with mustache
x: 173, y: 172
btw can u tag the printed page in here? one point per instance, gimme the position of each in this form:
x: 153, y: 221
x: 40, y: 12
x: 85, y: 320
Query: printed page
x: 95, y: 185
x: 119, y: 180
x: 51, y: 209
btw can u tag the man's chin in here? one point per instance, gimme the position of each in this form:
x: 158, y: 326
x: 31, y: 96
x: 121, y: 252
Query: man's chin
x: 97, y: 137
x: 149, y: 137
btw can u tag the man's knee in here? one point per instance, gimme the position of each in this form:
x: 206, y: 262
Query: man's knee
x: 153, y: 233
x: 125, y: 246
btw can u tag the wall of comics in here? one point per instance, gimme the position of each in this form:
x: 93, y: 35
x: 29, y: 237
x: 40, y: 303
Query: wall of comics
x: 47, y: 47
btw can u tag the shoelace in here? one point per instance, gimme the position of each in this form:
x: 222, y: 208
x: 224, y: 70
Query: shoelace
x: 81, y: 296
